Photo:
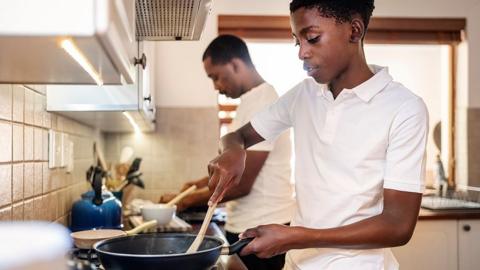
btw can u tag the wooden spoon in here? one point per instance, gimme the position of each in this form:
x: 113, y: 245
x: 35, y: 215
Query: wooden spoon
x: 180, y: 196
x: 86, y: 239
x: 201, y: 234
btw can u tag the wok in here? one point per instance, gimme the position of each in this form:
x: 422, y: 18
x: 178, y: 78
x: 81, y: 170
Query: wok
x: 164, y: 251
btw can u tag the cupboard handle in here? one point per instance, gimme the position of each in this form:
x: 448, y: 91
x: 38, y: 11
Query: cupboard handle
x: 141, y: 61
x: 466, y: 227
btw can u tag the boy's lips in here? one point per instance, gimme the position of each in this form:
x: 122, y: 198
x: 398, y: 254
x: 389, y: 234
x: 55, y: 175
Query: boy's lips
x: 310, y: 69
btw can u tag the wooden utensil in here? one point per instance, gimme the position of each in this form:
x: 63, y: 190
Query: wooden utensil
x: 100, y: 156
x: 201, y: 234
x: 86, y: 239
x: 182, y: 195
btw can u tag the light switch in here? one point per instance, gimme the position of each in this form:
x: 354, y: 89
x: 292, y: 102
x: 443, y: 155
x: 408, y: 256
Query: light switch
x: 58, y: 149
x: 54, y: 149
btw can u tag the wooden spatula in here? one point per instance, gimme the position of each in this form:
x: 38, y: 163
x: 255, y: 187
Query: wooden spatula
x: 201, y: 234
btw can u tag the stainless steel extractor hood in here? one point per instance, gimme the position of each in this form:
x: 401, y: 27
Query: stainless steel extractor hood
x: 171, y: 19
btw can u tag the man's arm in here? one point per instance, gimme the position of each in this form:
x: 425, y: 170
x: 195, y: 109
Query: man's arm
x: 393, y: 227
x: 226, y: 170
x: 253, y: 164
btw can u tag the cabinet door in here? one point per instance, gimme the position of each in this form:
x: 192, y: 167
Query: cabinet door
x: 469, y: 244
x: 433, y: 246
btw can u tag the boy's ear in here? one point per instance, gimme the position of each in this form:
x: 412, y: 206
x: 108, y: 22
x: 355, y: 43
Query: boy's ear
x: 358, y: 30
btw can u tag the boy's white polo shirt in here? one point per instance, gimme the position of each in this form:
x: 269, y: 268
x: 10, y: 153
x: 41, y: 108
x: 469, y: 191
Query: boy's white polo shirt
x: 347, y: 151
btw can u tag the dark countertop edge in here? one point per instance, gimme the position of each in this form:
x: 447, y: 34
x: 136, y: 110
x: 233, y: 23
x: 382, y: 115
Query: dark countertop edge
x: 426, y: 214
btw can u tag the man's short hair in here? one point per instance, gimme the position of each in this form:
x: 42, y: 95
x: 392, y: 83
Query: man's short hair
x: 226, y: 47
x: 341, y: 10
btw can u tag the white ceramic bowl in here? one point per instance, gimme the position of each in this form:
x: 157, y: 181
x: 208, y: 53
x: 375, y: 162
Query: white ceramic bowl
x: 162, y: 213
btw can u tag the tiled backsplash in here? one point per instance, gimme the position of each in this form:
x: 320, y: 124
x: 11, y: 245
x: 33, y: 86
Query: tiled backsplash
x: 184, y: 141
x: 29, y: 190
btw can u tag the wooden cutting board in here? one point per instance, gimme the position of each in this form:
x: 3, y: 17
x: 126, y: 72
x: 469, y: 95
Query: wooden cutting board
x: 176, y: 225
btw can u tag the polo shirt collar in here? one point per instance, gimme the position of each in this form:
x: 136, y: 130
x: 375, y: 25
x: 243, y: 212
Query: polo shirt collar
x: 368, y: 89
x: 371, y: 87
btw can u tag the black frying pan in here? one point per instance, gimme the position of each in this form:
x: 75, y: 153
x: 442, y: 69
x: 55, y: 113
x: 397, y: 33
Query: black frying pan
x: 162, y: 251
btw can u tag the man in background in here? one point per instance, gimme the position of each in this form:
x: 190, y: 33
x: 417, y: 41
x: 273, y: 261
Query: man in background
x: 265, y: 194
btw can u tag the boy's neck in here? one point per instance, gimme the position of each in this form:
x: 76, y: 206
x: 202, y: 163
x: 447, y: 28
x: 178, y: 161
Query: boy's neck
x: 355, y: 74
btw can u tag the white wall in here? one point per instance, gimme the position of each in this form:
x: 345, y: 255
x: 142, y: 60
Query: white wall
x: 181, y: 81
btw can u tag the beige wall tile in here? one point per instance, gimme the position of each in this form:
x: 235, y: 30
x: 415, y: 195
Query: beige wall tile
x: 18, y: 103
x: 46, y: 179
x: 17, y: 142
x: 6, y: 213
x: 47, y: 120
x: 17, y: 181
x: 28, y: 180
x: 37, y: 144
x: 17, y: 211
x: 171, y: 155
x: 6, y: 101
x: 53, y: 121
x: 28, y: 147
x: 28, y: 210
x: 5, y: 184
x: 38, y: 208
x: 37, y: 178
x: 61, y: 203
x: 29, y: 106
x: 39, y: 109
x: 5, y: 141
x: 45, y: 144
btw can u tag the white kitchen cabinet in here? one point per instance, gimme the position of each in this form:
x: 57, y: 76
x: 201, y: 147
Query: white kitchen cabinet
x: 433, y: 246
x: 67, y: 42
x: 469, y: 244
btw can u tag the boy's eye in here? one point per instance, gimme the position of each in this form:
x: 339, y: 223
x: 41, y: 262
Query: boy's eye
x: 313, y: 40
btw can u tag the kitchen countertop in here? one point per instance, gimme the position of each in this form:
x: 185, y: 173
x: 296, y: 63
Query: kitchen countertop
x: 426, y: 214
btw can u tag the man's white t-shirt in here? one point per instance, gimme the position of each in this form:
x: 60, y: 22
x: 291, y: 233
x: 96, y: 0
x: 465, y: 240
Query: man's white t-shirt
x: 347, y: 151
x: 271, y: 197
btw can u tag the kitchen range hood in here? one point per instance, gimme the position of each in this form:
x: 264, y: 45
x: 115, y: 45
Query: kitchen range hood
x: 171, y: 19
x: 88, y: 41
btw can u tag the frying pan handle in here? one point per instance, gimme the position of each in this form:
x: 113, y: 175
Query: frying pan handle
x: 236, y: 247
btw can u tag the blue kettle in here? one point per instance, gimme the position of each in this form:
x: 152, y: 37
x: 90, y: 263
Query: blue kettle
x: 97, y: 209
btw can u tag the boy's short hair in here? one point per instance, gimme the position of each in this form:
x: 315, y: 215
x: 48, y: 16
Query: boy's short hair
x: 341, y: 10
x: 226, y: 47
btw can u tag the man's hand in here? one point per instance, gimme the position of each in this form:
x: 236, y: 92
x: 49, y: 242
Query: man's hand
x: 225, y: 172
x: 270, y: 240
